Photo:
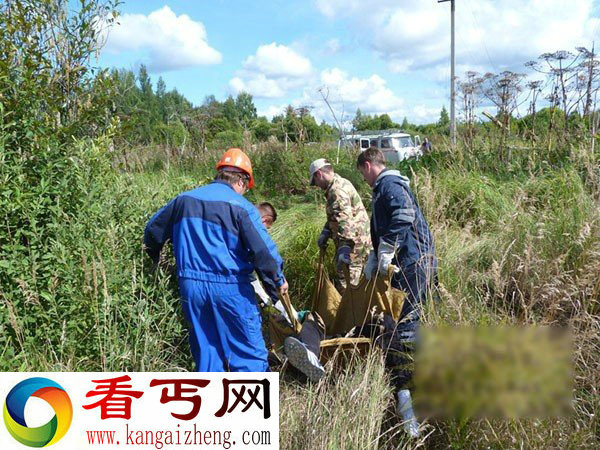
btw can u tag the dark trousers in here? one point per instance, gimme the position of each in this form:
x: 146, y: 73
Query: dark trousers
x: 398, y: 339
x: 414, y: 280
x: 311, y: 336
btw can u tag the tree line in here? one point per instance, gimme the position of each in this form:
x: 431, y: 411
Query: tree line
x: 152, y: 115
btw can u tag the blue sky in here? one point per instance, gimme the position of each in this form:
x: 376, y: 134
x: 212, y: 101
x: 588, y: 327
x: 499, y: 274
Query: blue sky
x: 387, y: 56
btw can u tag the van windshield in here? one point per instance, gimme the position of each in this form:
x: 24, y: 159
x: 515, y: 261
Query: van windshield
x: 405, y: 141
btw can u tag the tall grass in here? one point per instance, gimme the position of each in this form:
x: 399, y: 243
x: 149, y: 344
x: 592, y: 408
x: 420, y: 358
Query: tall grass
x: 345, y: 410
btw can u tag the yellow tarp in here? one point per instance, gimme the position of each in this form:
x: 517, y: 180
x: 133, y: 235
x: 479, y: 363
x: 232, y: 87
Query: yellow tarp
x: 341, y: 313
x: 358, y: 304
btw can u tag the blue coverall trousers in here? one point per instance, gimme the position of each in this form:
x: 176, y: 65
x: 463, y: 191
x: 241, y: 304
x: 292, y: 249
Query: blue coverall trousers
x: 225, y: 326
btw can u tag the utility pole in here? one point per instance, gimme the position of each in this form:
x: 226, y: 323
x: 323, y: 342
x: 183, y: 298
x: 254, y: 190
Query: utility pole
x: 452, y: 76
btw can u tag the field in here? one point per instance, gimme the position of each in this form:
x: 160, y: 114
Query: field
x: 88, y: 154
x: 519, y: 243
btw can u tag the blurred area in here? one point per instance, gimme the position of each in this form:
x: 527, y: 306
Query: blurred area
x: 494, y: 372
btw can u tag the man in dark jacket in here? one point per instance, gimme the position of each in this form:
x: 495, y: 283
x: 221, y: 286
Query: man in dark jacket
x: 401, y: 237
x: 219, y: 240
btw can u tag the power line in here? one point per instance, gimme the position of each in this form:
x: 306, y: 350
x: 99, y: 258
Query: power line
x: 478, y: 26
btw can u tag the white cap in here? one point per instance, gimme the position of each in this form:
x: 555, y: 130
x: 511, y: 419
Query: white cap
x: 317, y: 164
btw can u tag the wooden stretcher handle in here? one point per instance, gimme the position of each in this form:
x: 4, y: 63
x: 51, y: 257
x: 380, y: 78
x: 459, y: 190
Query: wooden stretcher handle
x: 314, y: 306
x: 287, y: 305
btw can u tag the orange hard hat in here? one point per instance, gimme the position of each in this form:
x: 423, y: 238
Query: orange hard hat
x: 236, y: 158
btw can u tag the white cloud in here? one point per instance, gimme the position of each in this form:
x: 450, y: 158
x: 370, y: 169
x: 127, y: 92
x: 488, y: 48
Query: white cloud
x: 276, y: 61
x: 334, y: 9
x: 272, y: 72
x: 272, y: 110
x: 258, y: 85
x: 346, y: 94
x: 369, y: 94
x: 424, y: 114
x: 441, y: 72
x: 413, y: 34
x: 172, y: 42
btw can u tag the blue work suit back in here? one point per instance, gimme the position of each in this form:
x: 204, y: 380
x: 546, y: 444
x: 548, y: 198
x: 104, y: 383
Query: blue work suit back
x: 219, y: 240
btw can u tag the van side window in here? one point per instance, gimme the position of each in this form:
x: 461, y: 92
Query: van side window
x: 374, y: 143
x: 364, y: 143
x: 385, y: 143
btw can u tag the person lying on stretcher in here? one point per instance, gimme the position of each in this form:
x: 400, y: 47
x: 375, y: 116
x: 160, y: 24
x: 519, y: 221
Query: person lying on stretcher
x: 301, y: 349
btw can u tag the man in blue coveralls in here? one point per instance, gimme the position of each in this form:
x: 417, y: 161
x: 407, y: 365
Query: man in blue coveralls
x: 219, y: 240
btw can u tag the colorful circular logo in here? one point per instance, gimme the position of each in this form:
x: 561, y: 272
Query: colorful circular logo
x: 14, y: 412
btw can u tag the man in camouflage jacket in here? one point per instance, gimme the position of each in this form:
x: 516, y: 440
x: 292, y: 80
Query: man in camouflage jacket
x: 347, y: 221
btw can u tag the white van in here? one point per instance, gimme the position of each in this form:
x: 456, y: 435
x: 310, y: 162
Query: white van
x: 395, y: 145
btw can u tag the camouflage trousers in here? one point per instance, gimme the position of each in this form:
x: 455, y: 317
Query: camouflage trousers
x: 355, y: 269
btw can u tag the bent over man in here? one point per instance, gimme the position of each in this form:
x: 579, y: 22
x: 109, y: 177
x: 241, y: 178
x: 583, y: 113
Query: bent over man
x: 219, y: 240
x: 347, y: 221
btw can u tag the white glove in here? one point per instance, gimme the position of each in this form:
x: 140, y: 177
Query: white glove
x: 385, y: 255
x: 260, y: 292
x: 279, y: 307
x: 371, y: 265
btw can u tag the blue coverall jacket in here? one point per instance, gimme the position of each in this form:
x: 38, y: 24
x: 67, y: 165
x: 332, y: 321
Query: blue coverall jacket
x: 219, y: 240
x: 397, y: 219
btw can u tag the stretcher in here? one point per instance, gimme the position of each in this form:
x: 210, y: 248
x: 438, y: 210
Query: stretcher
x: 342, y: 314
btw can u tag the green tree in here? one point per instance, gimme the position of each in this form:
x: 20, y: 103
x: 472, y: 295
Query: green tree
x: 45, y: 78
x: 230, y: 112
x: 126, y: 101
x: 444, y: 120
x: 385, y: 122
x: 310, y: 127
x: 246, y: 111
x: 161, y: 87
x: 228, y: 138
x: 161, y: 118
x: 145, y: 82
x: 217, y: 125
x: 54, y: 120
x: 262, y: 129
x: 358, y: 119
x: 327, y: 131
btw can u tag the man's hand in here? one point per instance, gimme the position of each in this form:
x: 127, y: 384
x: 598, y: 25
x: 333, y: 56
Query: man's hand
x: 283, y: 289
x: 371, y: 265
x: 385, y: 255
x: 343, y: 256
x: 323, y: 238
